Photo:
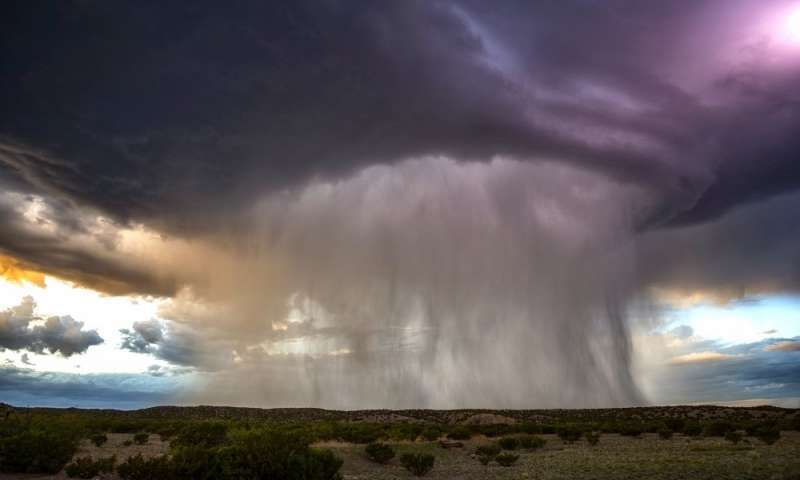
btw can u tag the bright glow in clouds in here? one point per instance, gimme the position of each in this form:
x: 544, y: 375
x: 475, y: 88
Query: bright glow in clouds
x: 792, y: 27
x: 98, y: 312
x: 742, y: 322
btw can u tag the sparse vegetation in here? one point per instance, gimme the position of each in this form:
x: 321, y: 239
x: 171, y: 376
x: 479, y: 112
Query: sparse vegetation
x: 569, y: 433
x: 419, y: 464
x: 509, y: 443
x: 98, y: 439
x: 459, y: 433
x: 140, y: 468
x: 664, y: 433
x: 592, y: 437
x: 531, y: 442
x: 379, y: 452
x: 507, y: 459
x: 86, y: 467
x: 141, y: 438
x: 733, y: 436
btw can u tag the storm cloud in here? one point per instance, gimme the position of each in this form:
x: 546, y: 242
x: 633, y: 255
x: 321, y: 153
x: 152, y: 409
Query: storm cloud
x: 399, y: 203
x: 62, y: 335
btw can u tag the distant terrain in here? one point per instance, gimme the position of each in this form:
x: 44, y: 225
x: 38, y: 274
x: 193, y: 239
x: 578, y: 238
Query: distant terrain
x: 230, y: 442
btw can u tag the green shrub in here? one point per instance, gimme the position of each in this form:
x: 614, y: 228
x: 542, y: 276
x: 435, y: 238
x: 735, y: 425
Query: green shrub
x: 201, y: 434
x: 489, y: 450
x: 195, y: 462
x: 485, y: 459
x: 509, y: 443
x: 460, y: 433
x: 127, y: 443
x: 418, y: 464
x: 675, y: 424
x: 36, y: 449
x: 141, y: 438
x: 631, y: 430
x: 768, y: 434
x: 140, y: 468
x: 359, y: 432
x: 665, y: 433
x: 569, y: 433
x: 592, y: 437
x: 733, y: 436
x: 379, y: 452
x: 98, y: 439
x: 85, y: 467
x: 692, y: 429
x: 507, y: 459
x: 531, y: 442
x: 275, y: 455
x: 717, y: 429
x: 431, y: 433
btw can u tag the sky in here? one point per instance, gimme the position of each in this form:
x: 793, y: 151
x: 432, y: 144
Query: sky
x: 401, y: 204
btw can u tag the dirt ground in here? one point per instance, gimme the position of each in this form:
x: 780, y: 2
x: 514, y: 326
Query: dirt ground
x: 615, y: 457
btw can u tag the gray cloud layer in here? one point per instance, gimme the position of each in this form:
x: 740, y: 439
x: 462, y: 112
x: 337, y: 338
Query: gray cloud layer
x: 62, y: 335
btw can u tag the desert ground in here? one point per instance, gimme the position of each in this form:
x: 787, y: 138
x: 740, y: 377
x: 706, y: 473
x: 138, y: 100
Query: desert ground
x: 615, y: 456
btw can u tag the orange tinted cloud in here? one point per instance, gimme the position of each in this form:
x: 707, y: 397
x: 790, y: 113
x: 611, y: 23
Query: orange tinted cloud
x: 13, y: 271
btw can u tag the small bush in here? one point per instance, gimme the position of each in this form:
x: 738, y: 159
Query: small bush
x: 485, y: 459
x: 592, y: 437
x: 431, y: 433
x: 507, y: 459
x: 418, y: 464
x: 127, y: 443
x: 99, y: 439
x: 379, y: 452
x: 141, y: 438
x: 202, y: 434
x: 36, y: 449
x: 692, y: 429
x: 488, y: 450
x: 509, y: 443
x: 717, y: 429
x: 85, y: 467
x: 531, y: 442
x: 768, y: 434
x: 733, y: 436
x: 140, y: 468
x: 665, y: 433
x: 569, y: 433
x: 195, y: 462
x: 675, y: 424
x: 459, y: 433
x: 634, y: 431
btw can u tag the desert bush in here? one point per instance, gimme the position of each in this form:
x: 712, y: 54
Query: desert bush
x: 733, y: 436
x: 717, y: 429
x: 531, y: 442
x: 547, y: 429
x: 675, y: 424
x: 506, y: 459
x: 127, y: 443
x: 201, y: 434
x: 418, y: 464
x: 692, y: 429
x: 195, y: 462
x: 405, y: 431
x: 485, y: 459
x: 275, y: 455
x: 98, y: 439
x: 493, y: 430
x: 431, y: 433
x: 379, y: 452
x: 86, y: 467
x: 631, y: 430
x: 141, y: 438
x: 592, y: 437
x: 768, y: 434
x: 139, y: 468
x: 460, y: 433
x: 569, y: 433
x: 36, y: 449
x: 359, y: 432
x: 509, y: 443
x: 796, y: 422
x: 665, y: 433
x: 489, y: 450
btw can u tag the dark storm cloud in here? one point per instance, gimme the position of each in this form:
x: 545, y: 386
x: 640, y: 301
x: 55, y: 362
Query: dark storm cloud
x: 63, y: 335
x: 176, y: 344
x: 154, y: 110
